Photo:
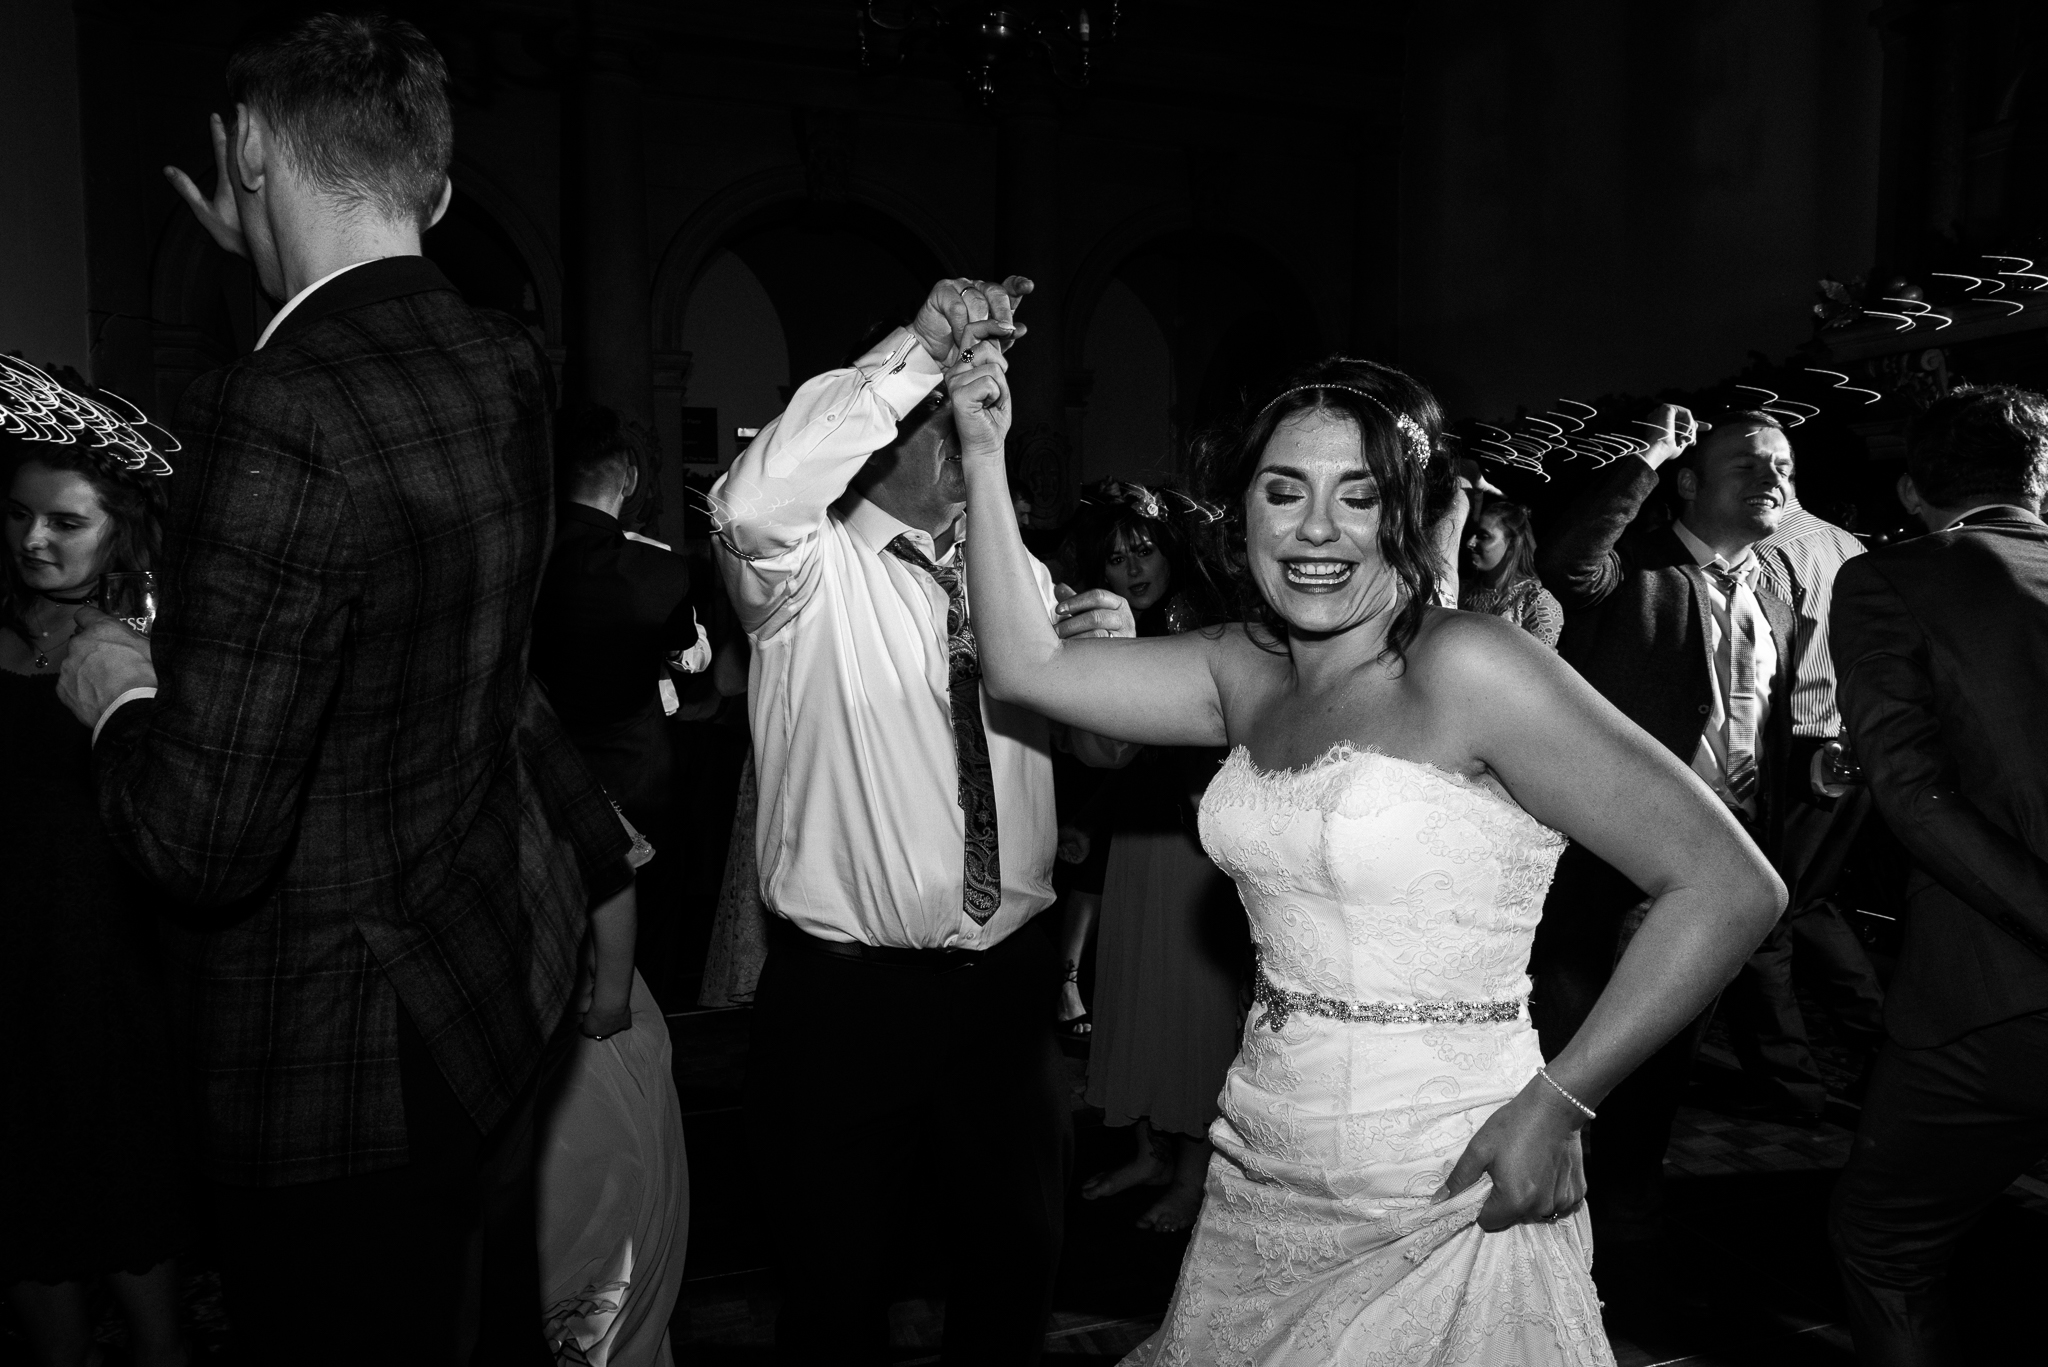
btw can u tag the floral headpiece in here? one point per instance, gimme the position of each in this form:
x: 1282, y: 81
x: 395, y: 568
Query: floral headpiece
x: 1411, y: 431
x: 36, y: 407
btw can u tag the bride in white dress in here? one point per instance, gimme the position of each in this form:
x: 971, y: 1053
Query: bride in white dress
x: 1395, y: 1180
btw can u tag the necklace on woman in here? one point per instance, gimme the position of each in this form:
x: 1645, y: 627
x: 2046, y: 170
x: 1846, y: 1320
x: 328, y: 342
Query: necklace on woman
x: 42, y: 653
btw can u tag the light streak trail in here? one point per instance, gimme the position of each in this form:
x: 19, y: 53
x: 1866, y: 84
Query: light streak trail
x: 1842, y: 383
x: 2025, y: 272
x: 1975, y: 280
x: 1777, y: 407
x: 34, y: 406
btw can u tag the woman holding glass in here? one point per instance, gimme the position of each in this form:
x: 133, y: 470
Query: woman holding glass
x: 94, y: 1180
x: 1397, y: 1171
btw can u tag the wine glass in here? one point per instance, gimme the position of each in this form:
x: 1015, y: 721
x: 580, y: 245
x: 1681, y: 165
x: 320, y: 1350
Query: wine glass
x: 131, y: 596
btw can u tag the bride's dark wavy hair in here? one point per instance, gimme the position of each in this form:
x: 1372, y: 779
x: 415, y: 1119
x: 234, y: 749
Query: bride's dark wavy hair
x: 1413, y: 495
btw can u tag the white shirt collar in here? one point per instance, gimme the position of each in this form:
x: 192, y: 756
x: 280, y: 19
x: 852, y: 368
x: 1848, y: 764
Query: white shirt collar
x: 1704, y: 555
x: 878, y: 528
x: 299, y: 298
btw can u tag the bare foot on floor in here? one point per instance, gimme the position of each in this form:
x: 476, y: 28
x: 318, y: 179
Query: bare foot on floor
x: 1175, y: 1211
x: 1145, y: 1170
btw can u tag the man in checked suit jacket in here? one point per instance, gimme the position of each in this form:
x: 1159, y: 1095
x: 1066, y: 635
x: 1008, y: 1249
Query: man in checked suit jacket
x: 339, y: 756
x: 1645, y: 609
x: 1941, y: 647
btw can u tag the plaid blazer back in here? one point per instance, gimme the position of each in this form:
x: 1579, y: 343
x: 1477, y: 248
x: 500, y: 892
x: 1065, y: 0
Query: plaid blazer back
x: 347, y: 773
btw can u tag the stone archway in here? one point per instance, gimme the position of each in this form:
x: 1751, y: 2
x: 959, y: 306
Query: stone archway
x: 1236, y: 317
x: 768, y: 197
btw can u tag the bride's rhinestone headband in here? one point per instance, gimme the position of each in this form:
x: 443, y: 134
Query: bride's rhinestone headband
x: 1411, y: 430
x: 36, y: 407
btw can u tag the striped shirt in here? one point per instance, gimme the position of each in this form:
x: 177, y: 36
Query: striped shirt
x: 1798, y: 562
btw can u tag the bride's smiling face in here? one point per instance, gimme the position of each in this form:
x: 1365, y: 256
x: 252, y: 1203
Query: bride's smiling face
x: 1312, y: 524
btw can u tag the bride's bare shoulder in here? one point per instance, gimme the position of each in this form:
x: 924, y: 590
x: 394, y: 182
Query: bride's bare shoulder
x: 1452, y: 647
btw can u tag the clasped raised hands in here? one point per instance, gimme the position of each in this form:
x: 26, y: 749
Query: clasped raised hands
x: 960, y: 313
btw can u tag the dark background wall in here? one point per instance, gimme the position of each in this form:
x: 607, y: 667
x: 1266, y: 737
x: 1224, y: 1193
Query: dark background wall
x: 1602, y: 195
x: 697, y: 206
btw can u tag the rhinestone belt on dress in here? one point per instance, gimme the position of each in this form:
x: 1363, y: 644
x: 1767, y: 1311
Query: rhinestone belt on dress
x: 1281, y: 1003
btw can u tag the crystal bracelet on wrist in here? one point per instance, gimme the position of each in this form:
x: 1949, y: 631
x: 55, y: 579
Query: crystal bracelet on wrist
x: 1584, y: 1109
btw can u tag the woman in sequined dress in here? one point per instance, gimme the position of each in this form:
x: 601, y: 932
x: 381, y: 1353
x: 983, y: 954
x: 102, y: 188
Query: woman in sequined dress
x: 1397, y: 1173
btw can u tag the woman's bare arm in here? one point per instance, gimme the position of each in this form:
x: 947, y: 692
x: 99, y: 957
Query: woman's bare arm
x: 1575, y: 763
x: 1160, y: 691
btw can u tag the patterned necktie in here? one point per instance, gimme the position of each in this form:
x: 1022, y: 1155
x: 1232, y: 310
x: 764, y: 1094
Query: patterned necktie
x: 1739, y: 764
x: 984, y: 881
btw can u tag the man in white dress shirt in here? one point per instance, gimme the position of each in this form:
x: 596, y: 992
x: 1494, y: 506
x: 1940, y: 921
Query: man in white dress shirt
x: 904, y: 1040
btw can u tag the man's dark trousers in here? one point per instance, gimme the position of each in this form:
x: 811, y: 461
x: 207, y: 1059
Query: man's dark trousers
x: 434, y: 1263
x: 879, y: 1089
x: 1945, y: 1130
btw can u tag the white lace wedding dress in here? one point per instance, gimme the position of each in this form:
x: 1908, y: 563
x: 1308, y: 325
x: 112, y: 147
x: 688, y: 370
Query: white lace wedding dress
x: 1392, y: 905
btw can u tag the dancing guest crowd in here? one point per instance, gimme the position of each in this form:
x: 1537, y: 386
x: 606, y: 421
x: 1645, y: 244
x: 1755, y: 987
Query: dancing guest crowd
x: 1388, y: 861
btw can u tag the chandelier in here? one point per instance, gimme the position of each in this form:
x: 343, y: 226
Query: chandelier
x: 987, y: 41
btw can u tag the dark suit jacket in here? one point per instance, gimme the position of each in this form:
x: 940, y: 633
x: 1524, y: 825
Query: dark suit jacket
x: 348, y: 763
x: 1941, y: 651
x: 1636, y: 622
x: 610, y: 611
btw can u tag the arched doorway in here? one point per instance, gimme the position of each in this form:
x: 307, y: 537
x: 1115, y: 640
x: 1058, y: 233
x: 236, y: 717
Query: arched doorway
x: 786, y: 292
x: 1127, y: 427
x: 1233, y: 321
x: 739, y: 361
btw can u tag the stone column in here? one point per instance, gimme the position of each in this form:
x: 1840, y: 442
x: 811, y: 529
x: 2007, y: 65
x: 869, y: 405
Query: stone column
x: 610, y: 327
x: 1028, y: 242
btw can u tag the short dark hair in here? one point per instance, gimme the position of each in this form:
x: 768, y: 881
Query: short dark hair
x: 1980, y: 442
x: 1739, y: 420
x: 1413, y: 494
x: 360, y: 104
x: 594, y: 448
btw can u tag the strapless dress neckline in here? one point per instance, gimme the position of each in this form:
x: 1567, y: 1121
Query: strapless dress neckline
x: 1333, y: 761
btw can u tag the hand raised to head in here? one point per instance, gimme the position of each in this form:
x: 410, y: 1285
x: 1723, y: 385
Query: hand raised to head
x: 1669, y: 430
x: 220, y: 216
x: 958, y: 313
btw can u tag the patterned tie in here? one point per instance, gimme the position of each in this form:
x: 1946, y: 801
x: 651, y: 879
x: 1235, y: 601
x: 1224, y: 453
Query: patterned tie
x: 984, y: 879
x: 1739, y: 765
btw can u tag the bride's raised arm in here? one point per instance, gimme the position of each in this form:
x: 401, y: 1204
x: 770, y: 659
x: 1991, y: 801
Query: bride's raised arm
x: 1160, y: 691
